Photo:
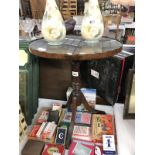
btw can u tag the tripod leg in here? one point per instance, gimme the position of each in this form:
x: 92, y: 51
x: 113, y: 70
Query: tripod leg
x: 71, y: 127
x: 69, y: 102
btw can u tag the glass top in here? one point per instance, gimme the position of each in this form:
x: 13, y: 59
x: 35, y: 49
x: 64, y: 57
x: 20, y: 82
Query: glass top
x: 76, y: 48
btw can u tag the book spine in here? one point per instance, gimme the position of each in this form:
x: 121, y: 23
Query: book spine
x: 53, y: 128
x: 34, y: 130
x: 46, y: 130
x: 61, y: 116
x: 93, y: 126
x: 48, y: 127
x: 40, y: 130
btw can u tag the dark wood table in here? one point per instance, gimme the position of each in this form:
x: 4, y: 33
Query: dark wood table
x: 76, y: 49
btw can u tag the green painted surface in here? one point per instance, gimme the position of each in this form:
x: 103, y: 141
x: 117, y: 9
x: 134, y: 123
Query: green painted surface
x: 28, y: 84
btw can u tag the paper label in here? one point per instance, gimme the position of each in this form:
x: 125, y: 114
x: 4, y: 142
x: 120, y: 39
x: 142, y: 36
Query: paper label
x: 95, y: 73
x: 76, y: 74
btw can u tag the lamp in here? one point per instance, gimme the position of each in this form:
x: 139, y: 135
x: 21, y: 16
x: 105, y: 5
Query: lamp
x: 125, y: 3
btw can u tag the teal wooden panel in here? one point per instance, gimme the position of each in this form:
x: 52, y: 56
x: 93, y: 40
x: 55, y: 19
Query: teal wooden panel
x: 30, y: 73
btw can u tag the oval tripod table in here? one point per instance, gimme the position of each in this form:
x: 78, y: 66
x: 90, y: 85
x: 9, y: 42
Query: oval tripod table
x: 76, y: 49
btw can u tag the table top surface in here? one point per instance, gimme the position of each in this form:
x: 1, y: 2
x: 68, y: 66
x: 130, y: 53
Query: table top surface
x: 75, y: 48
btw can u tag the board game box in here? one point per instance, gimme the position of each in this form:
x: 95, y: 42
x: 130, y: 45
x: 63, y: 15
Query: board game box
x: 102, y: 125
x: 82, y: 132
x: 83, y: 118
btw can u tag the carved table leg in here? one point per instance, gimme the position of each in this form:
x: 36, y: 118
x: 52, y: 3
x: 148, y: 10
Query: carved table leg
x: 76, y: 98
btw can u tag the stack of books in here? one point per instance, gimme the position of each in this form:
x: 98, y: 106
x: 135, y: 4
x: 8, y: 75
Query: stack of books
x: 45, y: 125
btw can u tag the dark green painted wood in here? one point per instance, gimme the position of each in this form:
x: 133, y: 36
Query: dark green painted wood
x: 32, y: 83
x: 35, y: 76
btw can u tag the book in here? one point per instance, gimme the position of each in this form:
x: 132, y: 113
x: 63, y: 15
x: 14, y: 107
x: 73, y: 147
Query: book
x: 83, y: 118
x: 43, y: 117
x: 83, y: 141
x: 33, y: 147
x: 34, y: 131
x: 53, y: 149
x: 102, y: 125
x: 52, y: 131
x: 98, y: 149
x: 49, y: 131
x: 53, y: 116
x: 46, y: 130
x: 57, y: 106
x: 64, y: 125
x: 67, y: 117
x: 128, y: 61
x: 78, y: 117
x: 86, y: 118
x: 41, y: 129
x: 77, y: 148
x: 82, y: 132
x: 109, y: 145
x: 63, y: 111
x: 61, y: 135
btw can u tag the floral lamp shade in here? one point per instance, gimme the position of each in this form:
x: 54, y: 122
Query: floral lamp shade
x: 124, y: 2
x: 53, y: 27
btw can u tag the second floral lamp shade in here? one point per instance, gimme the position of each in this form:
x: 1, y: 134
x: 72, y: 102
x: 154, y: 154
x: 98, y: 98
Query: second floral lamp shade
x: 53, y: 27
x: 92, y: 25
